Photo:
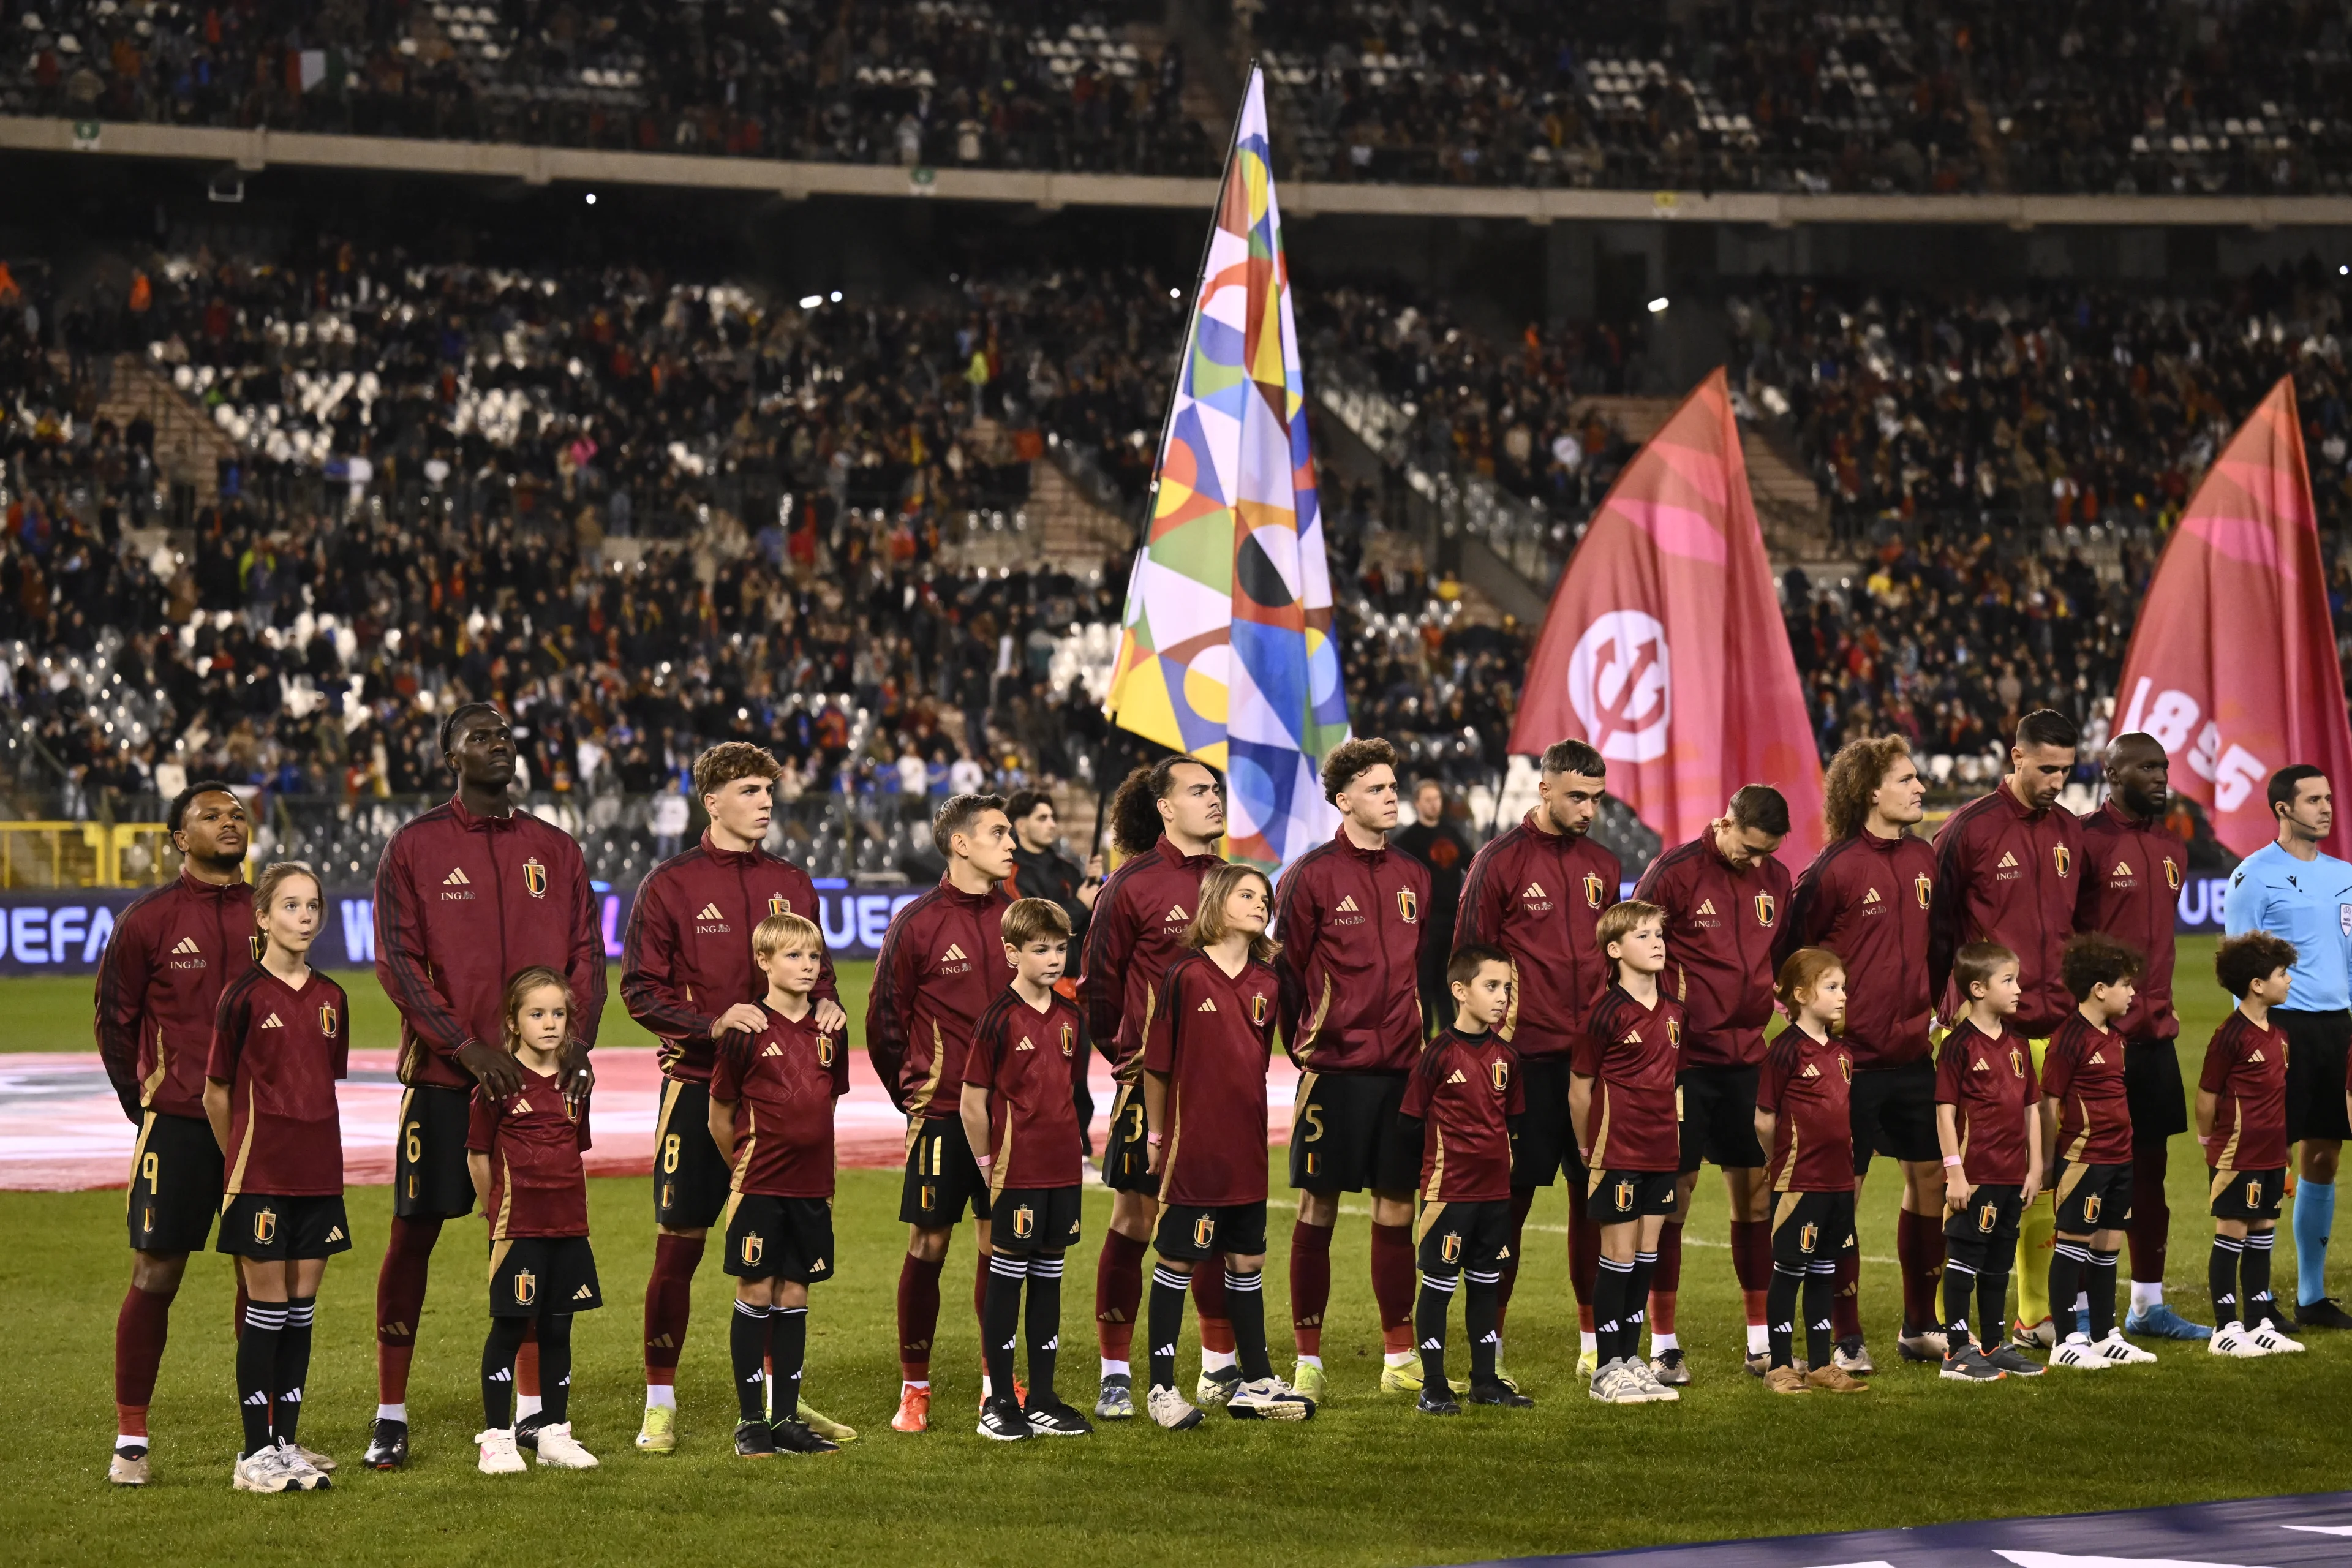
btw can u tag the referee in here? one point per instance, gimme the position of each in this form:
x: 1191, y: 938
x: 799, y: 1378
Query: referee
x: 2290, y: 889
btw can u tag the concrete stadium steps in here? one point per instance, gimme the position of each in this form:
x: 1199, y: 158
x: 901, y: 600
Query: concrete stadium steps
x: 188, y: 446
x: 1788, y: 505
x: 1388, y: 548
x: 1059, y: 523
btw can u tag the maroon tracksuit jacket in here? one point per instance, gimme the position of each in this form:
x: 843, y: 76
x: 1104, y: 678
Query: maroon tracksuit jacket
x: 942, y: 963
x: 2007, y: 875
x: 1720, y: 926
x: 688, y: 955
x: 2130, y: 889
x: 1537, y: 896
x: 462, y: 902
x: 1869, y: 900
x: 1349, y: 921
x: 173, y: 952
x: 1138, y: 931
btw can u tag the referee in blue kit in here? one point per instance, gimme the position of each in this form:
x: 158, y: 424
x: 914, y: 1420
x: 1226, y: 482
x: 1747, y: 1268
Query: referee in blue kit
x: 2288, y: 889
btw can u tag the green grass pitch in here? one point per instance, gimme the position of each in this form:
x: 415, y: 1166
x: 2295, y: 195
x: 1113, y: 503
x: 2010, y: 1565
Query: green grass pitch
x: 1367, y: 1482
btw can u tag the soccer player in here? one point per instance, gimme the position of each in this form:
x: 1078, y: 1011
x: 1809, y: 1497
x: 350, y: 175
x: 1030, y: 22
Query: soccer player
x: 523, y: 1151
x: 280, y: 1042
x: 2242, y: 1123
x: 2130, y: 889
x: 1166, y: 819
x: 772, y: 1094
x: 1867, y: 898
x: 940, y: 967
x: 1621, y: 1094
x: 2006, y: 871
x: 1466, y: 1099
x: 1989, y: 1119
x: 1804, y: 1116
x: 2086, y: 1146
x: 688, y: 975
x: 1018, y: 1112
x: 1724, y: 894
x: 1204, y: 1060
x: 1433, y: 838
x: 1536, y: 891
x: 2293, y: 890
x: 158, y: 987
x: 466, y: 894
x: 1349, y: 916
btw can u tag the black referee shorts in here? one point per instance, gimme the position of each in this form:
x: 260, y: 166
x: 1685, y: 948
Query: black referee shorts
x: 2316, y: 1049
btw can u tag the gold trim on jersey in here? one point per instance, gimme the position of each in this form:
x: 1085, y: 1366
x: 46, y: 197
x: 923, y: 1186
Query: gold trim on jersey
x: 743, y: 1170
x: 2237, y: 1128
x: 499, y: 1248
x: 920, y: 1099
x: 1600, y: 1136
x: 2075, y: 1171
x: 1788, y: 1176
x: 154, y: 1081
x: 1429, y: 1211
x: 138, y: 1153
x: 1510, y: 1024
x: 2083, y: 1138
x: 1784, y: 1209
x: 1175, y: 1135
x: 1305, y: 1047
x: 1437, y: 1170
x: 235, y: 1182
x: 505, y: 1199
x: 727, y: 1215
x: 1003, y: 1160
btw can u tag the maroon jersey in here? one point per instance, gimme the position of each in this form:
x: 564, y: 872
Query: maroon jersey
x: 1720, y: 926
x: 1138, y: 931
x: 1989, y: 1083
x: 2007, y: 875
x: 2082, y: 1070
x: 1210, y: 1035
x: 1028, y: 1060
x: 461, y: 903
x: 783, y: 1083
x: 688, y: 955
x: 2245, y: 1072
x: 1807, y: 1084
x: 1350, y: 925
x: 173, y: 952
x: 1632, y: 1054
x: 1868, y: 900
x: 533, y: 1139
x: 942, y: 965
x: 1537, y: 895
x: 280, y: 1050
x: 1464, y: 1090
x: 2130, y: 889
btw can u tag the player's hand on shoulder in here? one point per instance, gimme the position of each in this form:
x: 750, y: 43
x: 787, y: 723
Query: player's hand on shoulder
x: 831, y: 1017
x: 746, y: 1018
x: 573, y: 1071
x: 492, y: 1067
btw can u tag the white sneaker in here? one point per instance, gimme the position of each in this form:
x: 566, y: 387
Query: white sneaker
x: 2077, y: 1352
x: 1654, y: 1387
x: 2268, y: 1341
x: 1615, y: 1383
x: 557, y: 1449
x: 2231, y: 1340
x: 2120, y: 1352
x: 302, y: 1475
x: 1269, y: 1399
x: 263, y: 1470
x: 499, y: 1456
x: 1172, y: 1410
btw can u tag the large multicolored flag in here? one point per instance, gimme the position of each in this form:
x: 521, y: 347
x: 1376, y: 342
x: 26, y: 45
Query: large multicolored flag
x: 1227, y: 650
x: 2233, y: 666
x: 1664, y: 649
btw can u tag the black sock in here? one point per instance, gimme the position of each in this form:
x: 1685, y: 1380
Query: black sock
x: 554, y: 1368
x: 1043, y: 1322
x: 2261, y: 1307
x: 1429, y: 1309
x: 1482, y: 1312
x: 2069, y: 1262
x: 1637, y: 1301
x: 788, y: 1355
x: 1610, y: 1289
x: 2221, y: 1280
x: 746, y: 1344
x: 1246, y: 1309
x: 1000, y: 1319
x: 2099, y: 1280
x: 1820, y: 1294
x: 293, y: 1367
x: 498, y: 1372
x: 1959, y: 1292
x: 1163, y: 1321
x: 257, y: 1369
x: 1992, y: 1302
x: 1780, y: 1312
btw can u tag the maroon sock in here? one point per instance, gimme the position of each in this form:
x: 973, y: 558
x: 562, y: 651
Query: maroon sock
x: 1919, y: 1248
x: 140, y: 1329
x: 1667, y: 1278
x: 1118, y: 1293
x: 1393, y: 1284
x: 1311, y: 1284
x: 1209, y: 1301
x: 1751, y: 1260
x: 1522, y: 1200
x: 919, y: 1315
x: 1846, y: 1309
x: 669, y: 1301
x: 400, y: 1302
x: 2151, y: 1217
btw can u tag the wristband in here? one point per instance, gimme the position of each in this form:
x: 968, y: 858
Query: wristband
x: 1152, y: 1139
x: 983, y: 1161
x: 1951, y: 1161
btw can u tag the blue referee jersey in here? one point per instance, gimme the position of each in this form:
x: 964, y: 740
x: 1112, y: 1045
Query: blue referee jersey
x: 2309, y: 903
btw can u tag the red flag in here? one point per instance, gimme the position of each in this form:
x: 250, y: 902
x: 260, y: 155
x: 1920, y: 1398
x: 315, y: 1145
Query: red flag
x: 1664, y: 648
x: 2233, y: 667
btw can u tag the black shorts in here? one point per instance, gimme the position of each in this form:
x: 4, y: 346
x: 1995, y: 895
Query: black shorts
x: 943, y: 1178
x: 1033, y: 1219
x: 1464, y: 1235
x: 1127, y: 1157
x: 1612, y: 1198
x: 2248, y: 1195
x: 2091, y: 1196
x: 1892, y: 1112
x: 1193, y: 1232
x: 2316, y: 1049
x: 1346, y: 1134
x: 257, y: 1226
x: 176, y: 1184
x: 2159, y: 1108
x: 1809, y: 1227
x: 1717, y: 1105
x: 1990, y: 1220
x: 779, y: 1238
x: 429, y: 1178
x: 534, y: 1274
x: 692, y: 1179
x: 1545, y: 1145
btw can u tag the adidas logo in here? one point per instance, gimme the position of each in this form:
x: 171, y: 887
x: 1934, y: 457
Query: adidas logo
x: 2098, y: 1058
x: 1982, y: 1065
x: 1633, y: 1037
x: 583, y: 1294
x: 1871, y: 896
x: 457, y: 878
x: 1176, y: 912
x: 1811, y: 1071
x: 1208, y: 1004
x: 336, y: 1234
x: 954, y: 955
x: 272, y: 1022
x: 2257, y: 1057
x: 818, y: 1266
x: 1706, y: 906
x: 258, y: 1396
x: 187, y: 944
x: 2122, y: 868
x: 1347, y: 904
x: 1457, y: 1077
x: 1026, y: 1044
x: 773, y: 1049
x: 2008, y: 862
x: 708, y: 912
x: 1534, y: 890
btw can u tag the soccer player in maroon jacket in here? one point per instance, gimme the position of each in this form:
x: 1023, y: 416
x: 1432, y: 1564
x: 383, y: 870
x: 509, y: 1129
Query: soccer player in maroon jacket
x: 1804, y: 1117
x: 688, y: 975
x: 1724, y: 896
x: 2130, y: 889
x: 1868, y: 896
x: 1989, y: 1119
x: 2008, y: 865
x: 1166, y: 819
x: 465, y: 895
x: 1537, y: 891
x: 940, y: 967
x: 173, y: 952
x: 2242, y: 1123
x: 1349, y: 915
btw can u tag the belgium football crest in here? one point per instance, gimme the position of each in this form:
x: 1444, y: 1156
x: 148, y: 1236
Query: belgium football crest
x: 1767, y: 908
x: 1592, y: 890
x: 265, y: 1224
x: 2172, y: 873
x: 1674, y: 1035
x: 1845, y: 1066
x: 1923, y: 888
x: 755, y: 1246
x: 327, y: 1022
x: 1069, y: 1041
x: 2061, y: 859
x: 1258, y: 1008
x: 825, y: 1049
x: 526, y: 1287
x: 2253, y: 1192
x: 1204, y: 1231
x: 534, y: 877
x: 1501, y: 1073
x: 1807, y: 1235
x: 254, y: 941
x: 1988, y: 1217
x: 2016, y: 1062
x: 1623, y: 1203
x: 1024, y: 1222
x: 2090, y: 1210
x: 1408, y: 906
x: 779, y: 905
x: 1450, y: 1249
